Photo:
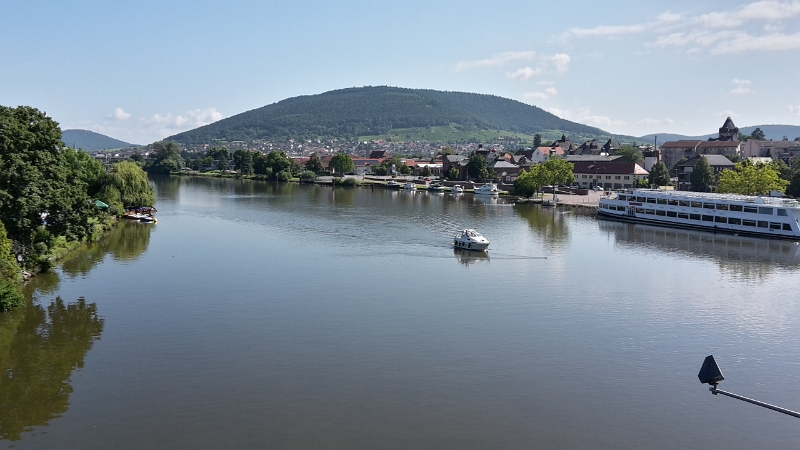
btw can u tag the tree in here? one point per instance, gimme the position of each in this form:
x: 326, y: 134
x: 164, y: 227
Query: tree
x: 278, y: 161
x: 314, y: 164
x: 702, y: 176
x: 558, y: 171
x: 403, y: 169
x: 475, y: 164
x: 219, y: 153
x: 758, y: 134
x: 342, y: 163
x: 659, y: 175
x: 794, y: 185
x: 127, y: 185
x: 750, y: 179
x: 243, y: 161
x: 166, y: 157
x: 260, y: 165
x: 537, y: 140
x: 631, y: 154
x: 426, y: 171
x: 531, y: 181
x: 447, y: 150
x: 453, y: 173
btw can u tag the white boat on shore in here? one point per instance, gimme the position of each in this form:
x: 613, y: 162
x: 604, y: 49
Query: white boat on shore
x: 391, y: 184
x: 409, y: 186
x: 436, y: 187
x: 457, y: 189
x: 738, y: 214
x: 470, y: 239
x: 488, y: 189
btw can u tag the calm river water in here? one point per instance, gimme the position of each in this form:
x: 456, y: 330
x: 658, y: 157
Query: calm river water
x: 256, y: 315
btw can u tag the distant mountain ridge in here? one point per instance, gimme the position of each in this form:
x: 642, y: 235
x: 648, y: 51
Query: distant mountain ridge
x: 91, y: 141
x: 773, y: 132
x: 370, y: 111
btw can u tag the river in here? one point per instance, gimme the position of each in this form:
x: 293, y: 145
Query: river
x: 262, y: 315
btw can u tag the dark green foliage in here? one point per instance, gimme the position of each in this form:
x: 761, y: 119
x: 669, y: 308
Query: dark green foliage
x: 278, y: 162
x: 260, y: 163
x: 659, y: 175
x: 758, y: 134
x: 349, y: 113
x: 314, y: 164
x: 476, y: 166
x: 10, y: 296
x: 346, y: 182
x: 794, y: 185
x: 166, y: 157
x: 453, y: 173
x: 308, y: 175
x: 127, y: 185
x: 537, y: 140
x: 425, y: 172
x: 630, y: 154
x: 702, y: 176
x: 243, y: 161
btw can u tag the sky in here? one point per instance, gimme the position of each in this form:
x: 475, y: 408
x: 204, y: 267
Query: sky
x: 140, y: 71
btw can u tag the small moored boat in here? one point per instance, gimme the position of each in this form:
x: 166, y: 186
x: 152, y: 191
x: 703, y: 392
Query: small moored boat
x: 436, y: 187
x: 409, y: 186
x: 470, y: 239
x: 457, y: 189
x: 488, y: 189
x: 391, y: 184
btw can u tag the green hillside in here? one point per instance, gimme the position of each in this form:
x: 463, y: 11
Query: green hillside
x: 387, y: 112
x: 91, y: 141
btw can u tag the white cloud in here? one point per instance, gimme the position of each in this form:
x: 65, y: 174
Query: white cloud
x: 656, y: 122
x: 497, y: 60
x: 543, y: 95
x: 192, y: 119
x: 119, y: 114
x: 741, y: 86
x: 794, y: 110
x: 762, y: 10
x: 561, y: 61
x: 524, y: 74
x: 607, y: 30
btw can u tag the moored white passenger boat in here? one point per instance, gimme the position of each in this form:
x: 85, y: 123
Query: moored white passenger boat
x: 409, y: 186
x: 488, y: 189
x: 470, y: 239
x: 729, y: 213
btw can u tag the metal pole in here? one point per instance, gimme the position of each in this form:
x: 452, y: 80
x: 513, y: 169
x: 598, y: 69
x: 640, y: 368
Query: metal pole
x: 716, y: 391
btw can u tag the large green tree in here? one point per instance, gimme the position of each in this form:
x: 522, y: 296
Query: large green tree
x: 558, y: 171
x: 127, y: 185
x: 702, y: 176
x: 342, y: 163
x: 475, y: 165
x: 758, y: 134
x: 630, y: 154
x: 278, y: 162
x: 166, y: 157
x: 314, y: 164
x: 750, y: 179
x: 243, y: 161
x: 529, y: 182
x: 659, y: 175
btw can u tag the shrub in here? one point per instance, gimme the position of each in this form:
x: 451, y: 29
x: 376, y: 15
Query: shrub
x: 308, y: 175
x: 346, y: 181
x: 10, y: 296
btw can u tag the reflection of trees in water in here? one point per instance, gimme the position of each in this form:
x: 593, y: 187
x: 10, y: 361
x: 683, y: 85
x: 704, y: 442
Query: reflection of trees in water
x: 742, y: 257
x: 167, y: 187
x: 549, y: 223
x: 39, y: 349
x: 126, y: 241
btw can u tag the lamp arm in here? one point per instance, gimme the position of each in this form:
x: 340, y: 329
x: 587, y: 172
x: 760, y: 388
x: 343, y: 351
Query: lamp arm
x: 716, y: 391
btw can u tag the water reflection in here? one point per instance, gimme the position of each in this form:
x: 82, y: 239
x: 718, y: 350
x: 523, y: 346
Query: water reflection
x: 550, y: 224
x: 125, y: 242
x: 39, y: 349
x: 742, y: 257
x: 469, y: 258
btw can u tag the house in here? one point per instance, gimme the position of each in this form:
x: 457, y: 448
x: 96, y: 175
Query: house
x: 784, y: 150
x: 455, y: 161
x: 379, y: 154
x: 718, y: 163
x: 592, y: 158
x: 591, y: 147
x: 674, y: 151
x: 726, y: 148
x: 542, y: 154
x: 609, y: 175
x: 565, y: 144
x: 727, y: 143
x: 611, y: 147
x: 365, y: 165
x: 506, y: 171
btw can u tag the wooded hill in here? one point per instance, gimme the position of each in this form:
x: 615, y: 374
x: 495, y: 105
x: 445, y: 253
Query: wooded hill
x: 91, y: 141
x: 374, y: 111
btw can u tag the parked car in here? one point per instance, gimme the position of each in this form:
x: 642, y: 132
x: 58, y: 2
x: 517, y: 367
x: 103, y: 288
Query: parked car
x: 598, y: 188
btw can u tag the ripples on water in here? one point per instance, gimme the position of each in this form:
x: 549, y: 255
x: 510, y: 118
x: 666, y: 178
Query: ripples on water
x: 287, y: 316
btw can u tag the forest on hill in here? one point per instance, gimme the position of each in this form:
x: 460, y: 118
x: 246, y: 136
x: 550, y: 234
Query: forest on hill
x: 91, y: 141
x: 369, y: 111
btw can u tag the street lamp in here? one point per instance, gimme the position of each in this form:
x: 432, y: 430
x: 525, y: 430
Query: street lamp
x: 710, y: 373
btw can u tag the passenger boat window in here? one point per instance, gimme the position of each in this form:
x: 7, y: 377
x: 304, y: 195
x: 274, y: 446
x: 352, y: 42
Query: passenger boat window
x: 683, y: 216
x: 708, y: 218
x: 719, y: 219
x: 736, y: 207
x: 750, y: 209
x: 683, y: 203
x: 673, y: 202
x: 623, y: 197
x: 651, y: 200
x: 763, y: 224
x: 697, y: 205
x: 649, y: 211
x: 661, y: 212
x: 694, y: 216
x: 749, y: 223
x: 662, y: 201
x: 640, y: 199
x: 639, y: 210
x: 708, y: 205
x: 787, y: 227
x: 735, y: 221
x: 672, y: 214
x: 782, y: 212
x: 774, y: 226
x: 765, y: 210
x: 722, y: 206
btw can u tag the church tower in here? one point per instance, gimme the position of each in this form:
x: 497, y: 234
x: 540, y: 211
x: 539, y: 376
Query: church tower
x: 729, y: 131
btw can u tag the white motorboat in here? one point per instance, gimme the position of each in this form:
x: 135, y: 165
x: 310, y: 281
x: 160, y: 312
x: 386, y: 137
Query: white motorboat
x: 457, y: 189
x: 409, y: 186
x: 470, y: 239
x: 436, y: 187
x: 391, y: 184
x: 488, y: 189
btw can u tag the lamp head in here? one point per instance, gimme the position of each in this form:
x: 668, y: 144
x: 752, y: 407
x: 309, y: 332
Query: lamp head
x: 709, y: 372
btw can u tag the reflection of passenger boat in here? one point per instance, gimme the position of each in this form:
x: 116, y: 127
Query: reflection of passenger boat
x: 470, y: 239
x: 409, y: 186
x: 457, y: 189
x: 436, y: 187
x: 739, y: 214
x: 391, y: 184
x: 487, y: 189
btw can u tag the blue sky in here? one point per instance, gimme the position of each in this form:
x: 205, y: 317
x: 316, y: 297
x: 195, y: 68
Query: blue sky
x: 143, y: 70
